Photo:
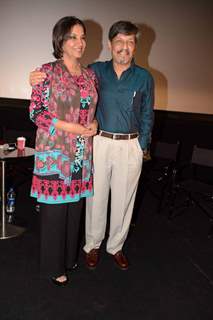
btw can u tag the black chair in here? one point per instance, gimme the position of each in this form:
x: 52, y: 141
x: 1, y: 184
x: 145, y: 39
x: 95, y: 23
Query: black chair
x: 195, y: 186
x: 162, y: 173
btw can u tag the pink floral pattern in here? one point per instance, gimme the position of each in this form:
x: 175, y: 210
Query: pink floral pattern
x: 72, y: 99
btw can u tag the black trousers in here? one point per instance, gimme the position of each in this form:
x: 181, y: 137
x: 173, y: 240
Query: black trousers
x: 59, y: 235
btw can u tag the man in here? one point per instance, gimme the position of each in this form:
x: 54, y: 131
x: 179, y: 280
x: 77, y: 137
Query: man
x: 125, y: 118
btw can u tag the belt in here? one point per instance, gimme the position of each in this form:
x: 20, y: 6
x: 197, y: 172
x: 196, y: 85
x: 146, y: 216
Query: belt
x: 118, y: 136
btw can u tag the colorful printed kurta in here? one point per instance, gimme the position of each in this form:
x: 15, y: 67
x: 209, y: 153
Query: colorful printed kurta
x: 63, y: 169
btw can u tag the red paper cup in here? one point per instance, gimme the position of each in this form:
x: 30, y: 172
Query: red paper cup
x: 21, y: 143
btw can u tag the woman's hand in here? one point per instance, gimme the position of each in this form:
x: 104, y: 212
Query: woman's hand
x: 74, y: 128
x: 36, y: 77
x: 81, y: 130
x: 93, y: 128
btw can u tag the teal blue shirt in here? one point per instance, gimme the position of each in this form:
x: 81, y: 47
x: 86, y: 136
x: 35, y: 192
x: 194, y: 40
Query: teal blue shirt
x: 125, y: 105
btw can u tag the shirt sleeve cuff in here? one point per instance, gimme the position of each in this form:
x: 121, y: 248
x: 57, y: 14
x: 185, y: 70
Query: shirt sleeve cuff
x: 52, y: 126
x: 142, y: 143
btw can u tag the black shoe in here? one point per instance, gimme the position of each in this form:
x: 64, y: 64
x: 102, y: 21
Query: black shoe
x: 59, y: 283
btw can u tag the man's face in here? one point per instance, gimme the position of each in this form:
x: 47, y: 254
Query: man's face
x: 123, y: 48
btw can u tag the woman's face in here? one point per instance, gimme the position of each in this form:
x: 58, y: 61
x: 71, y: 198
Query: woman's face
x: 75, y: 43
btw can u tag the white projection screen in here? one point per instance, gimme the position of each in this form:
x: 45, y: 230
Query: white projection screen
x: 176, y: 44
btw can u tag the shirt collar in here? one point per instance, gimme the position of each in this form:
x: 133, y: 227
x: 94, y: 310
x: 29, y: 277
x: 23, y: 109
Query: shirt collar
x: 129, y: 69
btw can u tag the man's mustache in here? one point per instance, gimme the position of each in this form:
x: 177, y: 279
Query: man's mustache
x: 123, y: 50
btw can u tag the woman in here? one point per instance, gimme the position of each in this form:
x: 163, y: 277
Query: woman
x: 63, y: 108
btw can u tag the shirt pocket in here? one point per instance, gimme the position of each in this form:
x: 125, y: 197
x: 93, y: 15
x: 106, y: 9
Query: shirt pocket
x: 136, y: 103
x: 126, y: 98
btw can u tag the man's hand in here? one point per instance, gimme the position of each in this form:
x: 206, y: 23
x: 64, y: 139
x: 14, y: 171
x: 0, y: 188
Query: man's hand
x: 146, y: 155
x: 36, y: 77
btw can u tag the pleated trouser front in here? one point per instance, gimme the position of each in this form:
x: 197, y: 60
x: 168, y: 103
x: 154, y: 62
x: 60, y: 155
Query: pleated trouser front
x: 117, y: 166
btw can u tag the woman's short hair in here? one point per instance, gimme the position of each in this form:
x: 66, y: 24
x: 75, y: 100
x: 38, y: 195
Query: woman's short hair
x: 61, y: 30
x: 123, y: 27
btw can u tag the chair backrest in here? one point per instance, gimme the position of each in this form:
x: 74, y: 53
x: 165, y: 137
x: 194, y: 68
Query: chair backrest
x: 202, y: 156
x: 165, y: 150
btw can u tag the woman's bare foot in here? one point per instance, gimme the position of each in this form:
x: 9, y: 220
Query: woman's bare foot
x: 61, y: 278
x: 60, y: 281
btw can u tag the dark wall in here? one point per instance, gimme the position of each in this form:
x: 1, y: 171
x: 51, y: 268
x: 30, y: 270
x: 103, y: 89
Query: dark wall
x: 188, y: 128
x: 15, y: 121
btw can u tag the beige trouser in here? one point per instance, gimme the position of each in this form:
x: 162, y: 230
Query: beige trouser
x: 117, y: 166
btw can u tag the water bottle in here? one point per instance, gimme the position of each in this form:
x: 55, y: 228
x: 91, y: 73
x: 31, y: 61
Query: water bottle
x: 10, y: 206
x: 37, y: 208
